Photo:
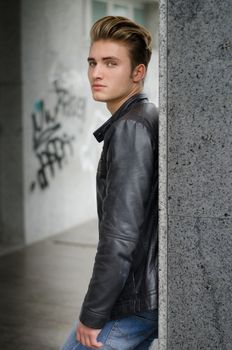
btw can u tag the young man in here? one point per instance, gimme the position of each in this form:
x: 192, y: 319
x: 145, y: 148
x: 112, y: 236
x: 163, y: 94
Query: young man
x: 120, y: 308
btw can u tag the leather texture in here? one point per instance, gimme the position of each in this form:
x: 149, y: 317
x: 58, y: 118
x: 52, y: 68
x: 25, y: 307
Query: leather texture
x: 125, y: 273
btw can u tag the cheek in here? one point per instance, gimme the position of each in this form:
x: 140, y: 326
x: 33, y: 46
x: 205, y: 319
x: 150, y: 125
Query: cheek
x: 119, y: 77
x: 89, y: 74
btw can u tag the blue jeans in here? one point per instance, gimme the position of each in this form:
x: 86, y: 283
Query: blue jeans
x: 135, y: 332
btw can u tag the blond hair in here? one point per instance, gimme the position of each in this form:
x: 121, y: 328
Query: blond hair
x: 118, y: 28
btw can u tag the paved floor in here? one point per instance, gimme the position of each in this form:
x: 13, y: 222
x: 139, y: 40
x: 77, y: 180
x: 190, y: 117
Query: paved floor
x: 42, y: 288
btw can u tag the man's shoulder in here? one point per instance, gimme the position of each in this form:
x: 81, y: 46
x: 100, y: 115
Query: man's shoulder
x: 141, y: 119
x: 144, y: 112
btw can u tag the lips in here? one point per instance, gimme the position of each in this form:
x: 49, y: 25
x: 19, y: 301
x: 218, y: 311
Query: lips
x: 97, y: 86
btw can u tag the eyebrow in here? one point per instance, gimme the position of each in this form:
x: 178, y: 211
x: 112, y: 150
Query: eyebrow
x: 104, y: 58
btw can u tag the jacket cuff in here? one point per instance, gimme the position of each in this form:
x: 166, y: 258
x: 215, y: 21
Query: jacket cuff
x: 91, y: 319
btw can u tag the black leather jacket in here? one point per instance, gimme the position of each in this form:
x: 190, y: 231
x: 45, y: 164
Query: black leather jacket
x: 124, y: 279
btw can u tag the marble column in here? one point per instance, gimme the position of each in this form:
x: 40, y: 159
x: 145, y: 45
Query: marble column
x: 195, y: 174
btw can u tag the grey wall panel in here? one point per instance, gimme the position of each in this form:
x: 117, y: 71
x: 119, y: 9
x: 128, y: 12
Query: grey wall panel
x: 195, y: 174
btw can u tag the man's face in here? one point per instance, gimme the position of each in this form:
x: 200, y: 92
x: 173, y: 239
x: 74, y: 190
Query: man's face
x: 110, y: 74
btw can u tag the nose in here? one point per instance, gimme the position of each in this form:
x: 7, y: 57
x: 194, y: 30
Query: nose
x: 97, y: 72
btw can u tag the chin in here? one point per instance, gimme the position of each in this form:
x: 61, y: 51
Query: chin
x: 99, y: 98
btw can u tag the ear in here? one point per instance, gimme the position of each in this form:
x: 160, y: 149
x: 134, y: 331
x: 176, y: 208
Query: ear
x: 139, y: 73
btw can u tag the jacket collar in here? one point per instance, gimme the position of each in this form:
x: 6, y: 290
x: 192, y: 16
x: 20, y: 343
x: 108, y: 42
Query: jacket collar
x: 100, y: 132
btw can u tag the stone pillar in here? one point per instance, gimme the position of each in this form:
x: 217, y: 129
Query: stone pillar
x: 11, y: 163
x: 195, y: 174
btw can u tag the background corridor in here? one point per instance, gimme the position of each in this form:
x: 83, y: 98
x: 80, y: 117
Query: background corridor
x: 42, y: 287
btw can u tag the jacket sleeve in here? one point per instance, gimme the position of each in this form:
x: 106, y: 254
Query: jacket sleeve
x: 130, y: 163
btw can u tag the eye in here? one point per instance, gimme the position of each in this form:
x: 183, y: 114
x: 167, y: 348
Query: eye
x: 92, y: 64
x: 111, y: 64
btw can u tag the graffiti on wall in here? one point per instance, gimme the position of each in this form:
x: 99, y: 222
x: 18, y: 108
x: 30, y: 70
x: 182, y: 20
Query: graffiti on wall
x: 67, y: 87
x: 50, y: 145
x: 56, y: 125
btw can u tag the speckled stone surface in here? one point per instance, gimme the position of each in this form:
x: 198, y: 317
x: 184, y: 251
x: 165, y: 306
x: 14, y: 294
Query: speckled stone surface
x: 196, y: 188
x: 163, y: 177
x: 199, y: 283
x: 199, y: 107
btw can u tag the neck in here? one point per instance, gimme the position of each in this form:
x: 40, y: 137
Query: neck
x: 113, y: 106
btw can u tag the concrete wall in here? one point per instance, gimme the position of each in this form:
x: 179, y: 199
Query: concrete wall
x: 195, y: 181
x: 11, y: 166
x: 59, y: 153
